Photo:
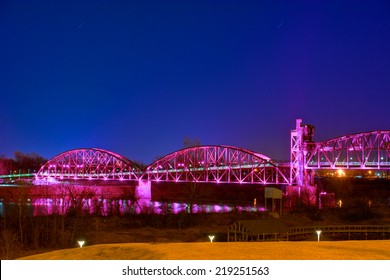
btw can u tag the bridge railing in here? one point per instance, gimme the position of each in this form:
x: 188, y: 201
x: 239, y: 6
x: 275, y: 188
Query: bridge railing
x: 297, y: 233
x: 17, y: 176
x: 344, y: 229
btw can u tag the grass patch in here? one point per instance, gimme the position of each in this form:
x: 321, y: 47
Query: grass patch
x: 305, y: 250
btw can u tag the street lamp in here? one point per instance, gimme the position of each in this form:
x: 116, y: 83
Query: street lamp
x: 318, y: 235
x: 81, y: 243
x: 211, y: 238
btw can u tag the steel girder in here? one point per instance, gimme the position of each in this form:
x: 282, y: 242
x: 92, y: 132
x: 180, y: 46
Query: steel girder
x: 218, y: 164
x: 368, y: 150
x: 90, y: 163
x: 296, y: 155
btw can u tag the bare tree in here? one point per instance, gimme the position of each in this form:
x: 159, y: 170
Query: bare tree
x: 28, y: 162
x: 190, y: 142
x: 9, y: 243
x: 6, y: 165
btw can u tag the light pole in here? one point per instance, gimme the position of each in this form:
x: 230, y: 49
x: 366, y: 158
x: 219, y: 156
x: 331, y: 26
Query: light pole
x: 211, y: 238
x: 318, y: 235
x: 81, y: 243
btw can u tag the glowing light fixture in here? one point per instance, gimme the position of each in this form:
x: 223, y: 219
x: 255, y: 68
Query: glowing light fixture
x: 340, y: 172
x: 211, y: 238
x: 318, y: 235
x: 81, y: 243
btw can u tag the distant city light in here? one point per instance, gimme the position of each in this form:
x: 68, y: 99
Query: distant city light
x: 340, y: 172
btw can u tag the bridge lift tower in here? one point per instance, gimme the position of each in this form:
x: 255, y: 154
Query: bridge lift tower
x: 301, y: 146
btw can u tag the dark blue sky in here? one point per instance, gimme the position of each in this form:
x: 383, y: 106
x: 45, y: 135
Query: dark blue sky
x: 136, y: 77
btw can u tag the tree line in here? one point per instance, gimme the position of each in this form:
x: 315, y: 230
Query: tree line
x: 21, y: 163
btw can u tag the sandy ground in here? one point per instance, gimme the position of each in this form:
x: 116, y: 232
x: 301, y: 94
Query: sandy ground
x: 303, y: 250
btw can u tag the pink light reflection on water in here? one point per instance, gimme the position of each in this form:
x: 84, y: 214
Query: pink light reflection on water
x: 107, y: 207
x: 107, y: 201
x: 158, y: 207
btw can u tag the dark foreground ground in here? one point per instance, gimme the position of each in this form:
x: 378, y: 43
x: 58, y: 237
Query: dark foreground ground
x: 195, y: 228
x: 304, y: 250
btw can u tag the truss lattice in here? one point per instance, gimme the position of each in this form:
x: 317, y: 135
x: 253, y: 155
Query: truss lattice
x: 218, y: 164
x: 93, y: 164
x: 369, y: 150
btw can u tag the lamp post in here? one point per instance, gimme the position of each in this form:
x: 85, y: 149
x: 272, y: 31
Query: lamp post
x: 81, y: 243
x: 211, y: 238
x: 318, y: 235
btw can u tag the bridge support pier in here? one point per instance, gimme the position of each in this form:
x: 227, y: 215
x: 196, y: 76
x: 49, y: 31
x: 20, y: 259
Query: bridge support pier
x: 143, y: 193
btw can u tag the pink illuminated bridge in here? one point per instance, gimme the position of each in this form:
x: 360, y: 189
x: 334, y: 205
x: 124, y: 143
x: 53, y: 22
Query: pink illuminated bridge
x: 227, y: 164
x: 218, y: 164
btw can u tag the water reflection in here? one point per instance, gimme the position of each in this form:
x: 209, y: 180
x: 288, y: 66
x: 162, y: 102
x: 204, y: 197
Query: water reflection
x: 102, y: 200
x: 178, y: 207
x: 108, y: 207
x: 103, y: 207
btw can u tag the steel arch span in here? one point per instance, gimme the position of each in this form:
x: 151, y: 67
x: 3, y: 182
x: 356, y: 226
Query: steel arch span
x: 218, y: 164
x: 367, y: 150
x: 89, y: 163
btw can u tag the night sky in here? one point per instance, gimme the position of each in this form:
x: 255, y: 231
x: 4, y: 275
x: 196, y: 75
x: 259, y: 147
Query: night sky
x: 137, y: 77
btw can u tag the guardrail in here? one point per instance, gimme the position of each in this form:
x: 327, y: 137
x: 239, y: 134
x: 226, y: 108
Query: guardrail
x: 349, y: 230
x: 339, y: 232
x: 17, y: 176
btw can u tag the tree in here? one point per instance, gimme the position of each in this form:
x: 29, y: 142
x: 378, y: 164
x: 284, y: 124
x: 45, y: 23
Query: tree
x: 193, y: 194
x: 6, y: 165
x: 28, y: 162
x: 190, y: 142
x: 142, y: 166
x: 9, y: 243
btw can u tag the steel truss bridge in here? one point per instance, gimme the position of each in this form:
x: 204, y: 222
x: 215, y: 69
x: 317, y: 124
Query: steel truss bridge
x: 219, y: 164
x: 361, y: 151
x: 370, y: 150
x: 227, y: 164
x: 91, y: 164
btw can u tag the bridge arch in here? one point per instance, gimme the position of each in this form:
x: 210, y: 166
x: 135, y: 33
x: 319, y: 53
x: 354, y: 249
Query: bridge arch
x: 90, y: 163
x: 218, y: 164
x: 366, y: 150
